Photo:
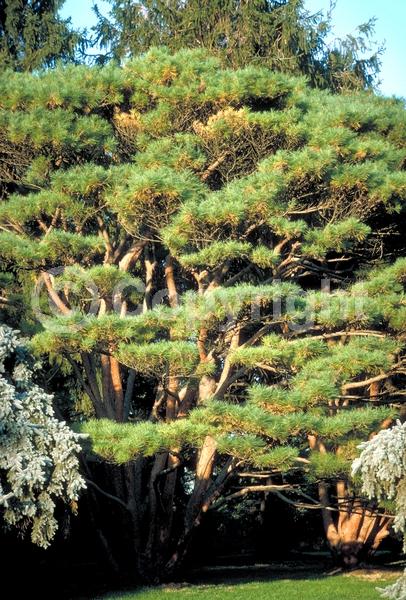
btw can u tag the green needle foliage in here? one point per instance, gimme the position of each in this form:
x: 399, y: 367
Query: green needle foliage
x: 281, y: 34
x: 214, y: 255
x: 32, y: 35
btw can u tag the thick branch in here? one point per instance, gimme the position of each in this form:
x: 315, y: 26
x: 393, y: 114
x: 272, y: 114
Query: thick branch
x: 54, y: 295
x: 106, y: 238
x: 131, y: 256
x: 358, y: 384
x: 251, y: 489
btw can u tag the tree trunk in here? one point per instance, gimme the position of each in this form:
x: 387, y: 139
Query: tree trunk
x: 355, y: 531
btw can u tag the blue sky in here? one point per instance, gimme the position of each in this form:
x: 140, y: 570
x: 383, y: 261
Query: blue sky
x: 390, y: 28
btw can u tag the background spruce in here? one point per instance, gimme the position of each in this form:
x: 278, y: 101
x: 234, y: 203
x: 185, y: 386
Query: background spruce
x: 33, y: 35
x: 280, y: 34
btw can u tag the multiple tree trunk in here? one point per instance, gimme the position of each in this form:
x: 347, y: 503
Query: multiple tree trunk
x: 153, y: 503
x: 356, y: 531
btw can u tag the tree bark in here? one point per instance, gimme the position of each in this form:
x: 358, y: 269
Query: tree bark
x: 356, y: 533
x: 117, y: 386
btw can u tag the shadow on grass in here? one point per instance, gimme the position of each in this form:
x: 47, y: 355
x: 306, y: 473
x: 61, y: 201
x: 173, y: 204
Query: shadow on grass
x: 287, y: 581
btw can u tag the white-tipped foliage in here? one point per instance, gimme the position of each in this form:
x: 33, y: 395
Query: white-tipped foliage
x: 382, y: 466
x: 38, y: 453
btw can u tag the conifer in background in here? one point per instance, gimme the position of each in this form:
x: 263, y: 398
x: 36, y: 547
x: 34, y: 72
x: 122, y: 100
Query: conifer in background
x: 173, y: 228
x: 280, y: 34
x: 33, y: 35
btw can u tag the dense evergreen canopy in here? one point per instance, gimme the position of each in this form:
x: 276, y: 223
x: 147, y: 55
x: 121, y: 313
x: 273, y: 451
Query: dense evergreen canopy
x: 184, y: 221
x: 280, y: 34
x: 33, y: 35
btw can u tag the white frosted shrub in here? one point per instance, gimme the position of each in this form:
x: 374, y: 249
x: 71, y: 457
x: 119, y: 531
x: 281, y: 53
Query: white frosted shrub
x: 382, y: 467
x: 38, y: 453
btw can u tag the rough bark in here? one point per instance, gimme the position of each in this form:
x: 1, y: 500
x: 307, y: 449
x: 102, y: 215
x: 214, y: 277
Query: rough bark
x: 356, y: 532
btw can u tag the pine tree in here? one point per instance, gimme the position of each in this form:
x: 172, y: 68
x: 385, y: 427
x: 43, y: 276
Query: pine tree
x: 280, y: 34
x: 175, y: 228
x: 33, y: 35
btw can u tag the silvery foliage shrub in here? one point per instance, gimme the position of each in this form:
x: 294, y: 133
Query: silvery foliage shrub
x: 382, y: 466
x: 38, y: 453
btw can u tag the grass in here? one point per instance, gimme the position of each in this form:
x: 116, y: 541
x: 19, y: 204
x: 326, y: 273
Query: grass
x: 319, y: 588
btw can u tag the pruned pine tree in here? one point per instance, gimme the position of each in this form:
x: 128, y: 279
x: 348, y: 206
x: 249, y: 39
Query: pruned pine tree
x: 180, y: 222
x: 280, y: 34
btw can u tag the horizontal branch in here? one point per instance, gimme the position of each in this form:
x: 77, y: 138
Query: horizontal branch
x: 358, y: 332
x: 266, y: 474
x: 357, y: 384
x: 307, y: 211
x: 253, y: 489
x: 317, y: 506
x: 106, y: 494
x: 259, y: 474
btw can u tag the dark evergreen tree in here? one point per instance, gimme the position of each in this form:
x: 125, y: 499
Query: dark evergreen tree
x: 279, y: 34
x: 33, y: 35
x: 193, y: 211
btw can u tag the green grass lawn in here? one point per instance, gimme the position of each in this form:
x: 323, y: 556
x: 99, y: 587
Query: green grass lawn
x: 320, y: 588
